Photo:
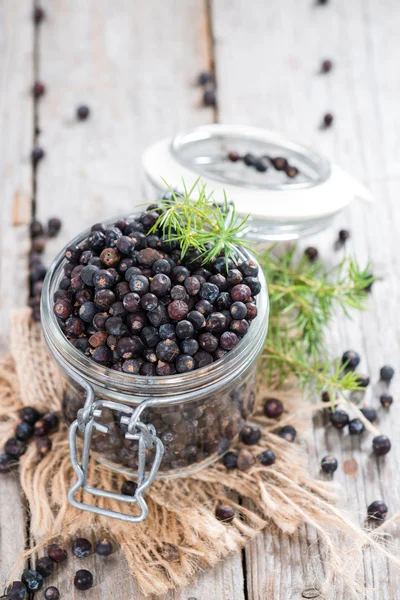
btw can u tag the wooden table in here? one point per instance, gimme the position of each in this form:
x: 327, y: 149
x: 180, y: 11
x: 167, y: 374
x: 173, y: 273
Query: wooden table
x: 134, y: 64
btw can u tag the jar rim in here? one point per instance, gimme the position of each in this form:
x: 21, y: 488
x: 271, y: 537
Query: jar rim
x: 65, y: 353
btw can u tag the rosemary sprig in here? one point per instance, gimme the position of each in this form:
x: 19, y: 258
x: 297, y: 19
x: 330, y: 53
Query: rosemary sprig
x: 196, y: 221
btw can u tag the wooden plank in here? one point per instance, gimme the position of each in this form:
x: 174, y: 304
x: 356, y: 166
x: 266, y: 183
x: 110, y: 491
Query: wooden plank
x: 134, y: 66
x: 273, y: 81
x: 16, y: 126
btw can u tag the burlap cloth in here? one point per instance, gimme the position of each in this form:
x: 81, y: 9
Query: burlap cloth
x: 181, y: 511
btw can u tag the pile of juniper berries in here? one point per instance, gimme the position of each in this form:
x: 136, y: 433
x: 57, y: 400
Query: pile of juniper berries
x: 130, y: 302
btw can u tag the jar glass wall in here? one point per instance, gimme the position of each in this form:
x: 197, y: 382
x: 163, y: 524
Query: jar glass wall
x: 196, y: 415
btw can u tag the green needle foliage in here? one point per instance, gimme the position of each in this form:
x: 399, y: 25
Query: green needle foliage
x: 195, y: 221
x: 304, y: 296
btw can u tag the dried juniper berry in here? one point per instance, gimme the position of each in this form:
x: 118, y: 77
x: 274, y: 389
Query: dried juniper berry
x: 51, y: 593
x: 160, y: 285
x: 245, y: 460
x: 43, y: 445
x: 350, y: 360
x: 29, y: 415
x: 103, y: 547
x: 329, y: 464
x: 184, y: 363
x: 328, y: 119
x: 216, y: 322
x: 167, y: 350
x: 37, y: 154
x: 128, y: 488
x: 178, y: 310
x: 381, y: 445
x: 17, y: 591
x: 369, y: 413
x: 311, y: 253
x: 87, y: 311
x: 167, y: 331
x: 344, y: 235
x: 53, y: 226
x: 57, y: 553
x: 250, y: 435
x: 161, y: 266
x: 377, y: 510
x: 356, y: 427
x: 273, y: 408
x: 45, y: 566
x: 33, y: 580
x: 362, y: 381
x: 96, y: 240
x: 82, y: 548
x: 228, y: 340
x: 132, y: 366
x: 386, y: 400
x: 202, y: 359
x: 184, y: 329
x: 224, y: 513
x: 102, y: 356
x: 15, y: 447
x: 83, y: 580
x: 82, y: 112
x: 288, y: 433
x: 230, y: 460
x: 238, y: 310
x: 267, y: 458
x: 149, y: 336
x: 24, y: 431
x: 339, y: 418
x: 386, y: 373
x: 189, y: 346
x: 239, y: 326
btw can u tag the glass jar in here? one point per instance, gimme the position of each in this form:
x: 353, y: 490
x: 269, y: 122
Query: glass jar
x: 151, y: 426
x: 281, y: 207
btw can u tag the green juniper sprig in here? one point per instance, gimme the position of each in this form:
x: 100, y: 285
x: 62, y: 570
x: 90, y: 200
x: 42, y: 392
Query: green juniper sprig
x: 304, y: 297
x: 196, y: 221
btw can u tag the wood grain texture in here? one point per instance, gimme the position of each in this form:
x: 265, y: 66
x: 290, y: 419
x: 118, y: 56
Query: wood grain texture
x: 16, y: 126
x: 134, y: 66
x: 274, y: 82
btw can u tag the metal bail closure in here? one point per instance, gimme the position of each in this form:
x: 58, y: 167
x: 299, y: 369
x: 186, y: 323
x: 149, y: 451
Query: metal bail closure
x: 146, y: 437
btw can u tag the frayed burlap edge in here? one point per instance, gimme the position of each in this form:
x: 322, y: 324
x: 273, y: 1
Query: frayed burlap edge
x: 181, y: 511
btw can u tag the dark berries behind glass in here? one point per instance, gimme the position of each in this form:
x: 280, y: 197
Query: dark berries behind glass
x: 311, y: 253
x: 83, y: 580
x: 377, y: 510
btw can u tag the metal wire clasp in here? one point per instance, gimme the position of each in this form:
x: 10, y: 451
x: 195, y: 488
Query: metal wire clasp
x: 145, y: 435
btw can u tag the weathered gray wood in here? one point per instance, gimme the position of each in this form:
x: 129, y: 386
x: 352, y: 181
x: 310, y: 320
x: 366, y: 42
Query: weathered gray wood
x: 273, y: 82
x: 16, y: 45
x: 134, y: 65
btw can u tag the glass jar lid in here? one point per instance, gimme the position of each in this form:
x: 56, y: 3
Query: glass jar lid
x: 281, y: 207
